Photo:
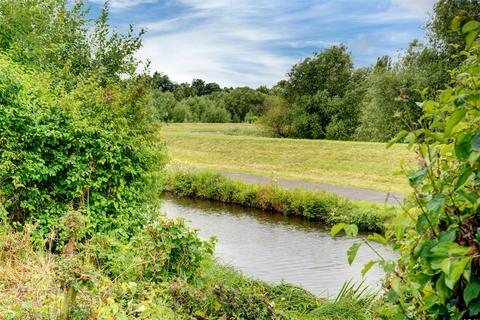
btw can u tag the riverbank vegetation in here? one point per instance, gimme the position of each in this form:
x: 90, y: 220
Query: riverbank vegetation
x: 323, y: 207
x: 355, y: 164
x: 163, y: 272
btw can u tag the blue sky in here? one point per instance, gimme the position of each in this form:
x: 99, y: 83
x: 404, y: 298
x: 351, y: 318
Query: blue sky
x: 255, y: 42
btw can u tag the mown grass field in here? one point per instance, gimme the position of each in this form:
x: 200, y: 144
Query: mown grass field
x: 241, y: 148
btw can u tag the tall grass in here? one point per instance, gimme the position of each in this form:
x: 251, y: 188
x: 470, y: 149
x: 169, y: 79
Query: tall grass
x: 323, y: 207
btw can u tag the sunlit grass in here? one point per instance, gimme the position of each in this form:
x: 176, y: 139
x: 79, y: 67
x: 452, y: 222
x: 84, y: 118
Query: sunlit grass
x: 356, y: 164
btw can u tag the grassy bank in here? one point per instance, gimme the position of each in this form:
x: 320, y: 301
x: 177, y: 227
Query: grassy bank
x: 113, y: 281
x: 326, y: 208
x: 234, y: 147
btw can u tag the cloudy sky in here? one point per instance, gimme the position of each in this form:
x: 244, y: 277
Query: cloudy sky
x: 255, y: 42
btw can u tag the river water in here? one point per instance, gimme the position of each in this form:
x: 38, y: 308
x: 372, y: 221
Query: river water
x: 275, y: 248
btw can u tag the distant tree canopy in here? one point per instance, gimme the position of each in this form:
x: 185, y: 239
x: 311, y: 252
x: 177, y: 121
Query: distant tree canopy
x: 325, y: 96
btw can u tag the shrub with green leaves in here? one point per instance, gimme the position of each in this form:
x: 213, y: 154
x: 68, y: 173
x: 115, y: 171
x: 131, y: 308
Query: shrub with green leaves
x: 72, y: 137
x: 437, y: 275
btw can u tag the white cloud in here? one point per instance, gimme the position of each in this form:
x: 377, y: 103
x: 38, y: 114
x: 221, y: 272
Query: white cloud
x: 206, y: 4
x: 124, y: 4
x: 225, y: 58
x: 418, y: 7
x: 255, y: 42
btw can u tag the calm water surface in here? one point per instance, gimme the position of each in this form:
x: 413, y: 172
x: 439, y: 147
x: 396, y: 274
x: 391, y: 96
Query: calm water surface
x: 273, y: 248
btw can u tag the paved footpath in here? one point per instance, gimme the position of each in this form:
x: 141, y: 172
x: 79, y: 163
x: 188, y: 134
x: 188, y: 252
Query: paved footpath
x: 348, y: 192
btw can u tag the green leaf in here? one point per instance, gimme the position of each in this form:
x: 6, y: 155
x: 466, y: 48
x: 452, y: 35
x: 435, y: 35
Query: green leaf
x: 417, y: 177
x: 468, y: 196
x: 351, y: 230
x: 470, y: 26
x: 474, y: 309
x: 466, y: 176
x: 368, y: 266
x: 463, y: 147
x: 392, y: 296
x: 378, y: 238
x: 471, y: 291
x: 447, y: 236
x: 387, y: 265
x: 470, y: 38
x: 454, y: 119
x: 352, y: 252
x: 435, y: 205
x: 429, y: 106
x: 456, y: 22
x: 457, y: 267
x: 397, y: 138
x: 337, y: 228
x: 441, y: 289
x: 473, y: 158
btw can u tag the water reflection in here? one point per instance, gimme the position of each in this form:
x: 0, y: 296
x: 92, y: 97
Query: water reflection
x: 272, y: 247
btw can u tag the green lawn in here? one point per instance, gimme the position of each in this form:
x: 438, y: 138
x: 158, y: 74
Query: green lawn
x: 240, y: 149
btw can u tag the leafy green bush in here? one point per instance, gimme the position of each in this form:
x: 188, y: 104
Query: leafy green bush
x: 437, y: 275
x: 71, y: 139
x: 56, y: 154
x: 109, y: 276
x: 163, y: 250
x: 440, y: 225
x: 323, y: 207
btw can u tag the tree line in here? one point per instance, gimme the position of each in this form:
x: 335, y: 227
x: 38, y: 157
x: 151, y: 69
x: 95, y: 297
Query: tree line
x: 324, y: 95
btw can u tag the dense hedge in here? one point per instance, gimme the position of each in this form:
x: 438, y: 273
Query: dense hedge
x: 326, y: 208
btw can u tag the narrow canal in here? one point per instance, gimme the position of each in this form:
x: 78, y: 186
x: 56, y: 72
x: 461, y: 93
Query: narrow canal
x: 272, y: 247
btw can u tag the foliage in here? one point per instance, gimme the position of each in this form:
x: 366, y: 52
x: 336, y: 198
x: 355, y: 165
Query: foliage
x: 163, y: 106
x: 437, y: 273
x: 277, y: 118
x: 162, y: 251
x: 241, y: 101
x: 383, y: 113
x: 439, y: 25
x: 327, y: 71
x: 201, y: 109
x: 111, y: 285
x: 54, y: 36
x: 323, y: 207
x: 325, y: 93
x: 87, y: 147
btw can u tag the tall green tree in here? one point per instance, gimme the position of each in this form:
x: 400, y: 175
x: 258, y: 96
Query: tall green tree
x: 439, y: 26
x: 329, y: 70
x: 325, y: 93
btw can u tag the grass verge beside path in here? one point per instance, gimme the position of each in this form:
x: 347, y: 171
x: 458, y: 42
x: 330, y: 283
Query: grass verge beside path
x: 354, y: 164
x: 326, y: 208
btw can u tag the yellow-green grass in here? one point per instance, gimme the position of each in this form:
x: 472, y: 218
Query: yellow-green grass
x: 355, y: 164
